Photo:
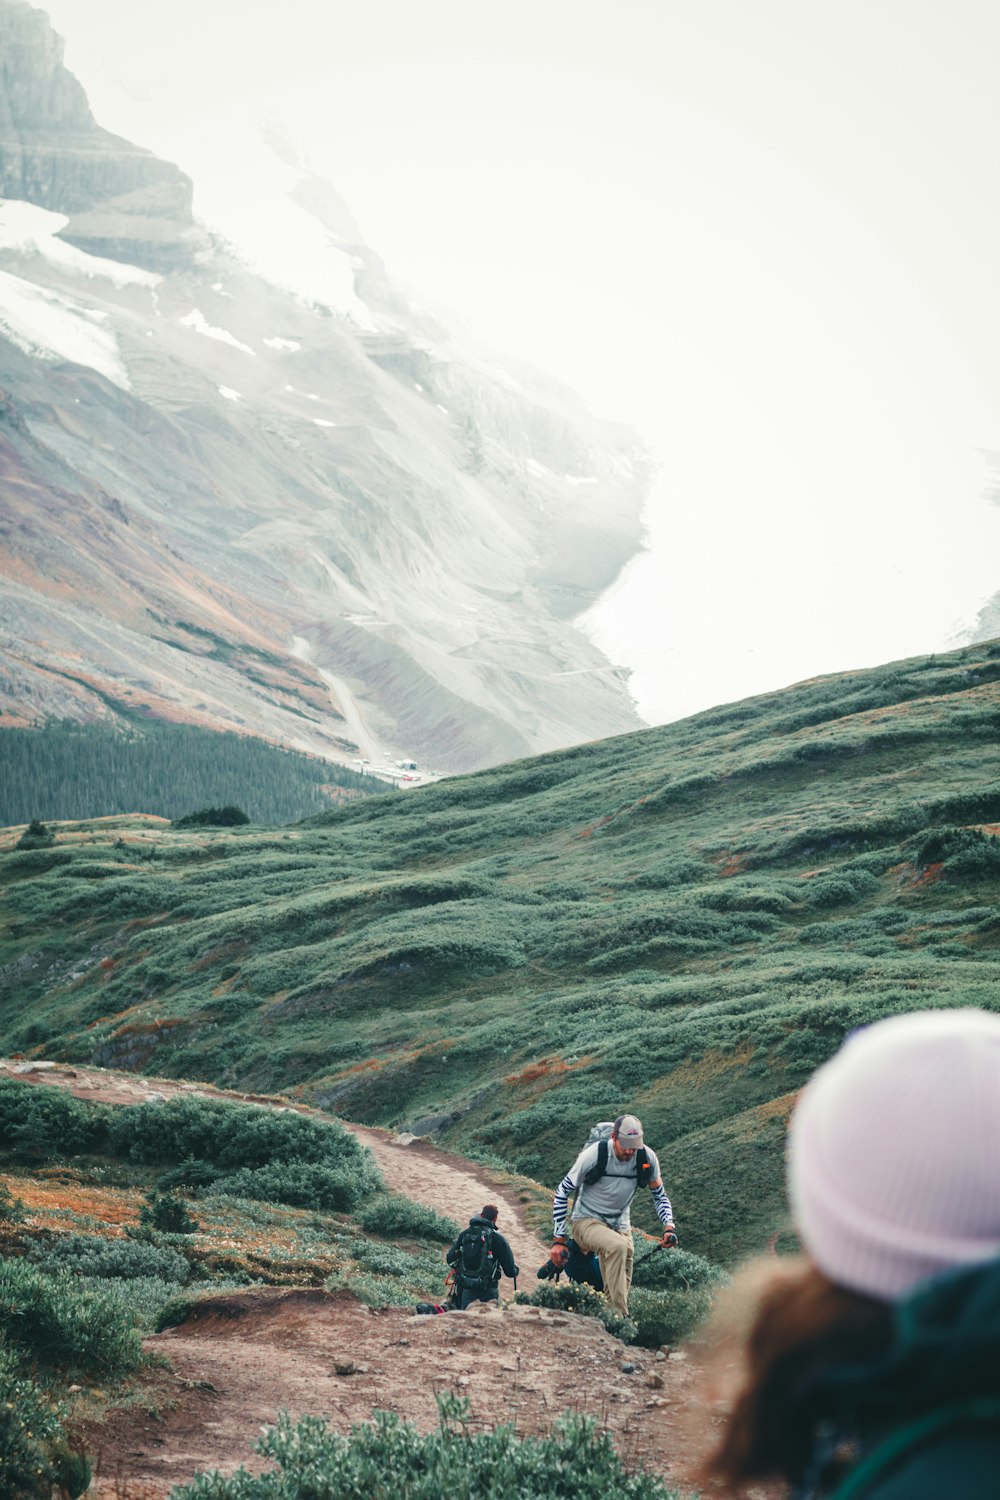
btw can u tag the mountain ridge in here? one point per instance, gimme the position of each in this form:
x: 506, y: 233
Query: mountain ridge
x: 334, y: 481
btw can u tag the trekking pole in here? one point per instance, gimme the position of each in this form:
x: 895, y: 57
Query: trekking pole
x: 648, y: 1255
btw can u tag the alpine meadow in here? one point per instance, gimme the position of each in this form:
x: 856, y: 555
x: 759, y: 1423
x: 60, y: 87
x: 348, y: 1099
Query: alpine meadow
x: 683, y: 921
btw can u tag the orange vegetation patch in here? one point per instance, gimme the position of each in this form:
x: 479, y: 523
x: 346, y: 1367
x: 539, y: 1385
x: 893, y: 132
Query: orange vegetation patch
x: 146, y: 1028
x: 436, y: 1048
x: 731, y: 864
x: 777, y: 1109
x: 370, y: 1065
x: 49, y: 1202
x: 547, y: 1067
x: 991, y: 828
x: 118, y: 1016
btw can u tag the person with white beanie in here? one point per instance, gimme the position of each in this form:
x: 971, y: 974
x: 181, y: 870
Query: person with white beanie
x: 871, y: 1366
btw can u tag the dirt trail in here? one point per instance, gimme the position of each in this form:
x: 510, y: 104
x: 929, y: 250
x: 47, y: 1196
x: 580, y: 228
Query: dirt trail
x: 247, y: 1355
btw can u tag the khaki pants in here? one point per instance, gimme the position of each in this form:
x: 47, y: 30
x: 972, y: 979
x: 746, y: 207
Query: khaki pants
x: 615, y: 1252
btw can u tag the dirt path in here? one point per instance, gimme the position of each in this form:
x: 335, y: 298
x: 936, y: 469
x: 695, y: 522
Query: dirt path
x: 248, y: 1355
x: 410, y: 1165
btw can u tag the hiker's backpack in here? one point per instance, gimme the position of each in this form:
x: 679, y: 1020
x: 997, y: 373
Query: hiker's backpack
x: 601, y: 1133
x: 476, y: 1264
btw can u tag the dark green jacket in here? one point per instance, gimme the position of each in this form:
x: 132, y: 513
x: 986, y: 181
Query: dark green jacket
x: 925, y: 1417
x: 503, y: 1255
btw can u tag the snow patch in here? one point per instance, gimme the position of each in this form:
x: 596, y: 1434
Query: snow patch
x: 321, y: 422
x: 48, y: 326
x: 229, y: 393
x: 199, y: 323
x: 441, y: 408
x: 292, y: 345
x: 574, y: 479
x: 242, y: 190
x: 25, y: 226
x: 534, y: 467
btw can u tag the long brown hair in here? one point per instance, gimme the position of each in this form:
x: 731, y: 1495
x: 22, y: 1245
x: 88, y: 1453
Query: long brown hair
x: 801, y: 1324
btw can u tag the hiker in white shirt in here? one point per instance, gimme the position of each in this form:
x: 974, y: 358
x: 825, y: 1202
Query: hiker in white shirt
x: 605, y: 1178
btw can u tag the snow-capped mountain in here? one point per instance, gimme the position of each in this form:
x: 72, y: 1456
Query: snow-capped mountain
x: 306, y: 514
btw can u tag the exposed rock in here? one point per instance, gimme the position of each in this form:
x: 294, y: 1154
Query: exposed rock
x: 124, y: 203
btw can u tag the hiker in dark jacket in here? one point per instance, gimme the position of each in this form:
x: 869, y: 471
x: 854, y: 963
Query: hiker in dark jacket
x: 871, y: 1370
x: 480, y: 1256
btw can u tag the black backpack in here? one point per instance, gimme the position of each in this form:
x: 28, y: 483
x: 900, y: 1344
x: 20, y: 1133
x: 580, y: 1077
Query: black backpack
x: 643, y: 1165
x: 476, y: 1264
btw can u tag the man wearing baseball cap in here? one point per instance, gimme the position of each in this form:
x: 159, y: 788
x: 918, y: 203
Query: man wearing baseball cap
x: 603, y: 1181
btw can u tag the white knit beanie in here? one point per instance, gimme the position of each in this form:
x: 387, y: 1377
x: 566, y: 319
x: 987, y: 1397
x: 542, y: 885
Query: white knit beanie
x: 894, y: 1152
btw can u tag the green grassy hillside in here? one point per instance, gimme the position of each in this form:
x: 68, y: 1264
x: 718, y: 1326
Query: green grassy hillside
x: 683, y: 922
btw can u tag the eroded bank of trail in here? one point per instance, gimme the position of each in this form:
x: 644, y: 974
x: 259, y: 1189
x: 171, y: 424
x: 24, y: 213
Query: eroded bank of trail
x: 245, y: 1356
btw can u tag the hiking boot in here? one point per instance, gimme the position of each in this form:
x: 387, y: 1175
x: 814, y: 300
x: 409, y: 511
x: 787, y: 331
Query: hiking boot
x: 426, y: 1307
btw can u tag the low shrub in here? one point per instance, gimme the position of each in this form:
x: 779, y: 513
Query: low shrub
x: 427, y: 1267
x: 177, y: 1310
x: 34, y: 1456
x: 48, y: 1123
x: 60, y: 1324
x: 232, y: 1135
x: 213, y: 817
x: 667, y: 1317
x: 395, y: 1217
x: 36, y: 836
x: 389, y: 1457
x: 966, y: 852
x: 190, y: 1174
x: 167, y: 1213
x: 12, y: 1210
x: 677, y: 1268
x: 88, y: 1255
x: 376, y: 1290
x: 839, y: 888
x: 305, y: 1185
x: 137, y: 1298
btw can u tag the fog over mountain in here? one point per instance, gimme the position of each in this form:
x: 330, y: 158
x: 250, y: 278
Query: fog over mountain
x: 316, y: 516
x: 759, y: 234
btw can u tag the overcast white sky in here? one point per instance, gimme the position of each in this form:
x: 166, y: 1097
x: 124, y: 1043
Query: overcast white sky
x: 766, y: 233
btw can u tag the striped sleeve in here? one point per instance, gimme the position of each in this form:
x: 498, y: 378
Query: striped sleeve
x: 566, y: 1189
x: 664, y: 1211
x: 560, y: 1203
x: 661, y: 1203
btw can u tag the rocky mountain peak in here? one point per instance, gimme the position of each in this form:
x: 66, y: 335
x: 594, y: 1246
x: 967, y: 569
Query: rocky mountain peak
x: 123, y: 202
x: 251, y: 489
x: 37, y: 92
